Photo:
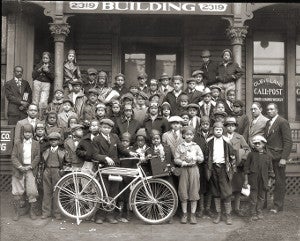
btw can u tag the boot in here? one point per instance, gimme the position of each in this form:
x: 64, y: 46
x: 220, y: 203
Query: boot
x: 200, y: 212
x: 228, y: 213
x: 16, y: 204
x: 218, y: 209
x: 184, y: 218
x: 193, y: 219
x: 207, y: 207
x: 32, y: 211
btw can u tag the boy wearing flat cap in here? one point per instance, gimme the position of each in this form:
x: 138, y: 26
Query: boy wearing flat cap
x: 91, y: 80
x: 193, y: 110
x: 259, y: 174
x: 209, y: 68
x: 62, y: 118
x: 220, y: 167
x: 207, y: 104
x: 193, y: 94
x: 77, y: 96
x: 25, y: 159
x: 140, y: 109
x: 109, y: 148
x: 54, y: 158
x: 165, y: 86
x: 198, y: 76
x: 70, y: 145
x: 89, y: 107
x: 228, y: 72
x: 241, y: 118
x: 215, y: 93
x: 242, y: 149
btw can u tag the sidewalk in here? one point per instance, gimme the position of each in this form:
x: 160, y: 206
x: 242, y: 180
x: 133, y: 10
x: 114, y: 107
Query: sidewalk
x: 47, y: 230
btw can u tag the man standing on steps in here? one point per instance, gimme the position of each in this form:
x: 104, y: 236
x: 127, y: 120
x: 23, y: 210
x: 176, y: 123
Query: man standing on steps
x: 279, y: 145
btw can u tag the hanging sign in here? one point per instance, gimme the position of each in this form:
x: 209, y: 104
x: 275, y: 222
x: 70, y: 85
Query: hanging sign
x: 269, y: 89
x: 149, y: 8
x: 6, y: 141
x: 298, y: 97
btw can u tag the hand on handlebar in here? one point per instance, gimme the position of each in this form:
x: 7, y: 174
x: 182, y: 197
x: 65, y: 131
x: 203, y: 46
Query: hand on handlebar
x: 134, y: 154
x: 109, y: 161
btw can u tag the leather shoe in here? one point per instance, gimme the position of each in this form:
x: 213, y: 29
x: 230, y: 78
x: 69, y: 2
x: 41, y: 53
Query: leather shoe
x: 193, y: 219
x: 184, y: 218
x: 217, y: 218
x: 111, y: 220
x: 44, y: 216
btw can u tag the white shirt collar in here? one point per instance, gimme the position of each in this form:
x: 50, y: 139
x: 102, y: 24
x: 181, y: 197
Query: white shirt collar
x: 29, y: 141
x: 54, y: 148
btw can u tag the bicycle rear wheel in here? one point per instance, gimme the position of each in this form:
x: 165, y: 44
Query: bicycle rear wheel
x: 78, y: 195
x: 155, y: 202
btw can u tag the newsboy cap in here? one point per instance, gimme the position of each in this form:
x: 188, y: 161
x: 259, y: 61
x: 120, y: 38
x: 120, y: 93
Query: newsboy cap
x: 218, y: 125
x: 142, y: 76
x: 222, y: 113
x: 164, y: 76
x: 141, y: 132
x: 258, y: 138
x: 215, y: 87
x: 54, y: 136
x: 126, y: 136
x: 175, y: 118
x: 76, y: 126
x: 143, y: 95
x: 107, y: 122
x: 101, y: 105
x: 227, y: 50
x: 206, y: 91
x: 92, y: 71
x: 230, y: 120
x: 205, y: 53
x: 193, y: 105
x: 196, y: 72
x: 191, y: 80
x: 120, y: 75
x: 127, y: 96
x: 68, y: 100
x: 27, y: 128
x: 93, y: 91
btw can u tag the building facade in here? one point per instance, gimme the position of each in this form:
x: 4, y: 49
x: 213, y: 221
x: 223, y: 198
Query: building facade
x: 156, y: 37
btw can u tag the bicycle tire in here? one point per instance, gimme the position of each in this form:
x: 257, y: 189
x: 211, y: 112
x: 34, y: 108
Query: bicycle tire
x: 155, y: 211
x: 66, y: 192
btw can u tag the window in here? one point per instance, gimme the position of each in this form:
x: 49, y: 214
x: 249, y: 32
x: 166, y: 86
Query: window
x: 165, y: 63
x: 135, y: 64
x: 269, y: 70
x: 298, y: 55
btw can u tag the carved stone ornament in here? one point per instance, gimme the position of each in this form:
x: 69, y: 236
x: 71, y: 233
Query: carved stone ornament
x: 237, y: 34
x: 59, y: 31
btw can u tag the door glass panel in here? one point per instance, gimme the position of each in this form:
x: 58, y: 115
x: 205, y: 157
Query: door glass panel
x: 135, y: 64
x: 165, y: 63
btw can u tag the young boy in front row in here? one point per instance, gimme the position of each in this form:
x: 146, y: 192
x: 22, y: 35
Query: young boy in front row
x: 219, y: 171
x: 25, y: 159
x: 53, y: 158
x: 259, y: 171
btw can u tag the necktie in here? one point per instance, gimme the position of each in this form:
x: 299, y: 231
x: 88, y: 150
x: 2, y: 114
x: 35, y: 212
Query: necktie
x: 175, y: 135
x: 206, y: 110
x: 269, y: 125
x: 19, y: 84
x: 231, y: 105
x: 108, y: 139
x: 52, y: 149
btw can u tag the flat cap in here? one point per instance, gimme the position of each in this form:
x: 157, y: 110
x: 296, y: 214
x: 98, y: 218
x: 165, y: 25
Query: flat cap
x: 175, y: 118
x: 92, y: 71
x: 101, y: 105
x: 215, y: 87
x: 142, y: 76
x: 258, y: 138
x: 227, y: 50
x: 151, y: 97
x: 126, y: 136
x: 127, y: 96
x: 166, y: 104
x: 205, y: 119
x: 54, y: 136
x: 40, y: 126
x: 183, y: 96
x: 238, y: 103
x: 230, y: 120
x: 60, y: 90
x: 120, y: 75
x: 191, y: 80
x: 68, y: 100
x: 222, y: 113
x: 164, y: 76
x: 155, y: 132
x: 196, y: 72
x: 107, y: 122
x: 218, y: 125
x: 153, y: 82
x: 206, y: 91
x: 193, y: 105
x: 187, y: 129
x: 177, y: 77
x: 102, y: 74
x: 27, y: 128
x: 141, y: 132
x: 93, y: 91
x: 76, y: 126
x: 53, y: 112
x: 143, y: 95
x: 184, y: 113
x: 205, y: 53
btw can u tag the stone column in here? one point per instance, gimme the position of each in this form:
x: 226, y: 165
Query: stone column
x: 59, y: 31
x: 237, y: 36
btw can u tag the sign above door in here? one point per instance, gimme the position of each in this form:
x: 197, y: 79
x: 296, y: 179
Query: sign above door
x: 172, y: 8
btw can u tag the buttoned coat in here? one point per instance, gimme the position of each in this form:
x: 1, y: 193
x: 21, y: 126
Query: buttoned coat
x: 230, y: 158
x: 79, y: 102
x: 194, y: 97
x: 169, y: 139
x: 71, y: 73
x: 62, y: 119
x: 86, y: 148
x: 17, y: 157
x: 211, y: 111
x: 210, y: 72
x: 258, y: 128
x: 173, y: 101
x: 279, y: 140
x: 231, y: 73
x: 19, y: 128
x: 122, y: 125
x: 71, y: 157
x: 15, y: 96
x: 160, y: 124
x: 60, y: 153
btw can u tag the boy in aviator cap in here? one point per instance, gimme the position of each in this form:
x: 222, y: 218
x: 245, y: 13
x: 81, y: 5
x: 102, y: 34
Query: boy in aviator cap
x: 54, y: 158
x: 25, y: 159
x: 220, y: 167
x: 259, y: 174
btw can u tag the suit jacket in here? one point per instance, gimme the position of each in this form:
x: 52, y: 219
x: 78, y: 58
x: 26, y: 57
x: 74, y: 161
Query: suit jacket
x: 62, y: 119
x: 279, y: 139
x: 194, y: 97
x: 232, y: 72
x: 257, y: 129
x: 240, y: 146
x: 60, y: 153
x: 106, y: 149
x: 169, y: 139
x: 230, y: 159
x: 210, y: 72
x: 173, y: 101
x: 71, y: 156
x: 19, y: 128
x: 14, y: 96
x: 71, y: 73
x: 18, y: 159
x: 86, y: 148
x: 160, y: 124
x: 122, y: 126
x: 243, y: 125
x: 211, y: 111
x: 79, y: 102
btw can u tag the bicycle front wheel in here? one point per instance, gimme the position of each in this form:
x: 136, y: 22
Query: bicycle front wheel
x: 155, y: 201
x: 78, y: 195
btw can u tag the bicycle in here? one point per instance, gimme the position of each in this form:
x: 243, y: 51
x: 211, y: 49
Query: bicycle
x: 152, y: 199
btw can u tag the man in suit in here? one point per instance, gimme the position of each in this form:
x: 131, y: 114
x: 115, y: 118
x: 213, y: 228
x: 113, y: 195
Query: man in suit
x: 31, y: 119
x: 19, y: 95
x: 279, y: 145
x: 257, y: 124
x: 109, y: 147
